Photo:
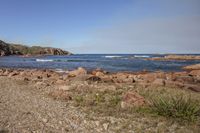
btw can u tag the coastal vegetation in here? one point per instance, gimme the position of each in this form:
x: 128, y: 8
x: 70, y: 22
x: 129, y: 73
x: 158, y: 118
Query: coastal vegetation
x: 18, y: 49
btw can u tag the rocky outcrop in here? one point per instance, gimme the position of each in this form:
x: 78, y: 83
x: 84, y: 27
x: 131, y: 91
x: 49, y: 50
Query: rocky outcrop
x: 192, y: 67
x: 189, y: 79
x: 17, y: 49
x: 176, y: 57
x: 4, y: 49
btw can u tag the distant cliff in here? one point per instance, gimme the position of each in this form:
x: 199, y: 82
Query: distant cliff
x: 17, y: 49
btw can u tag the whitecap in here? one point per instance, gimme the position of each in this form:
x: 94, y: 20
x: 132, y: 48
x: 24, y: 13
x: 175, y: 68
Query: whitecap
x: 141, y: 56
x: 44, y: 60
x: 112, y: 56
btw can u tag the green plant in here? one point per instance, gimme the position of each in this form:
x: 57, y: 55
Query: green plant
x: 99, y: 98
x: 114, y: 100
x: 78, y: 99
x: 177, y: 107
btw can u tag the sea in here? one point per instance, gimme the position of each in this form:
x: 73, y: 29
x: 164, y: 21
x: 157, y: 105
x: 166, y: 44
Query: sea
x: 108, y: 62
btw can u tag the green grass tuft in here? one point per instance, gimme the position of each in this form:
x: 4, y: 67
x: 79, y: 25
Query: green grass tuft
x: 177, y: 107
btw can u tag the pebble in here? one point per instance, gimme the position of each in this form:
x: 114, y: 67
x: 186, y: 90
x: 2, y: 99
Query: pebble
x: 105, y: 126
x: 44, y: 120
x: 97, y: 123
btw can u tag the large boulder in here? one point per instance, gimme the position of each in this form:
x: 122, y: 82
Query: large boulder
x: 169, y: 83
x: 14, y: 73
x: 77, y: 72
x: 131, y: 99
x: 150, y: 77
x: 185, y: 79
x: 195, y: 73
x: 123, y: 78
x: 160, y: 82
x: 192, y: 67
x: 192, y: 87
x: 98, y: 72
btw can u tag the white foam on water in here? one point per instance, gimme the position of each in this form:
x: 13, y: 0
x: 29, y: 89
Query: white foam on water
x: 112, y: 56
x: 44, y: 60
x: 141, y: 56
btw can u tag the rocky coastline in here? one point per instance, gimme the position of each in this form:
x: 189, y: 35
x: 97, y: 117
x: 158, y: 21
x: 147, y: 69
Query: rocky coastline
x: 7, y: 49
x: 187, y: 79
x: 91, y: 101
x: 175, y: 57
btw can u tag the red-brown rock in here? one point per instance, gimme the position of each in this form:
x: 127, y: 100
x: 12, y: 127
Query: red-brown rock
x: 192, y: 87
x: 160, y: 82
x: 77, y: 72
x: 131, y: 99
x: 192, y: 67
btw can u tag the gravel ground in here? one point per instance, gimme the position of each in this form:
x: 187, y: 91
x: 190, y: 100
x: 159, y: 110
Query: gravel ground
x: 24, y: 109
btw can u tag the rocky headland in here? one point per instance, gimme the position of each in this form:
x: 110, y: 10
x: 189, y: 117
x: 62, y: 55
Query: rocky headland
x: 7, y: 49
x: 176, y: 57
x: 34, y: 100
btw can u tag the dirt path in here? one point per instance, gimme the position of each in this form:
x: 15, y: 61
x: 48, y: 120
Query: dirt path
x: 25, y: 109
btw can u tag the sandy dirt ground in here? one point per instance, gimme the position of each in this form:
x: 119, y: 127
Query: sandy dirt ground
x: 25, y: 109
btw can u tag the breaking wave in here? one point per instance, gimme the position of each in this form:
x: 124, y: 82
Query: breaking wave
x: 112, y: 56
x: 141, y: 56
x: 44, y: 60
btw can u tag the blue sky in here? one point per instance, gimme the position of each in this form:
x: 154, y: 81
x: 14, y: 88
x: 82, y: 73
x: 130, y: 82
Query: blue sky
x: 104, y: 26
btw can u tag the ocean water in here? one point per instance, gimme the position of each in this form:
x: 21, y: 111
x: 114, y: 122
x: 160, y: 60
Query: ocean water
x: 109, y: 62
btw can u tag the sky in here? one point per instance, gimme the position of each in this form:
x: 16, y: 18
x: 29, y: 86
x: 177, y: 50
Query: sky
x: 103, y: 26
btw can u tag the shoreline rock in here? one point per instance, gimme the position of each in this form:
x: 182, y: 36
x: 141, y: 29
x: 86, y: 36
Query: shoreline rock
x: 175, y: 57
x: 192, y: 67
x: 189, y: 79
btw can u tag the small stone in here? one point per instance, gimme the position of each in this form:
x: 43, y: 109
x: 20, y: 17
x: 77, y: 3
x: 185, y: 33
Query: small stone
x: 97, y: 123
x: 60, y: 122
x: 44, y: 120
x: 65, y: 88
x: 85, y: 121
x: 105, y: 126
